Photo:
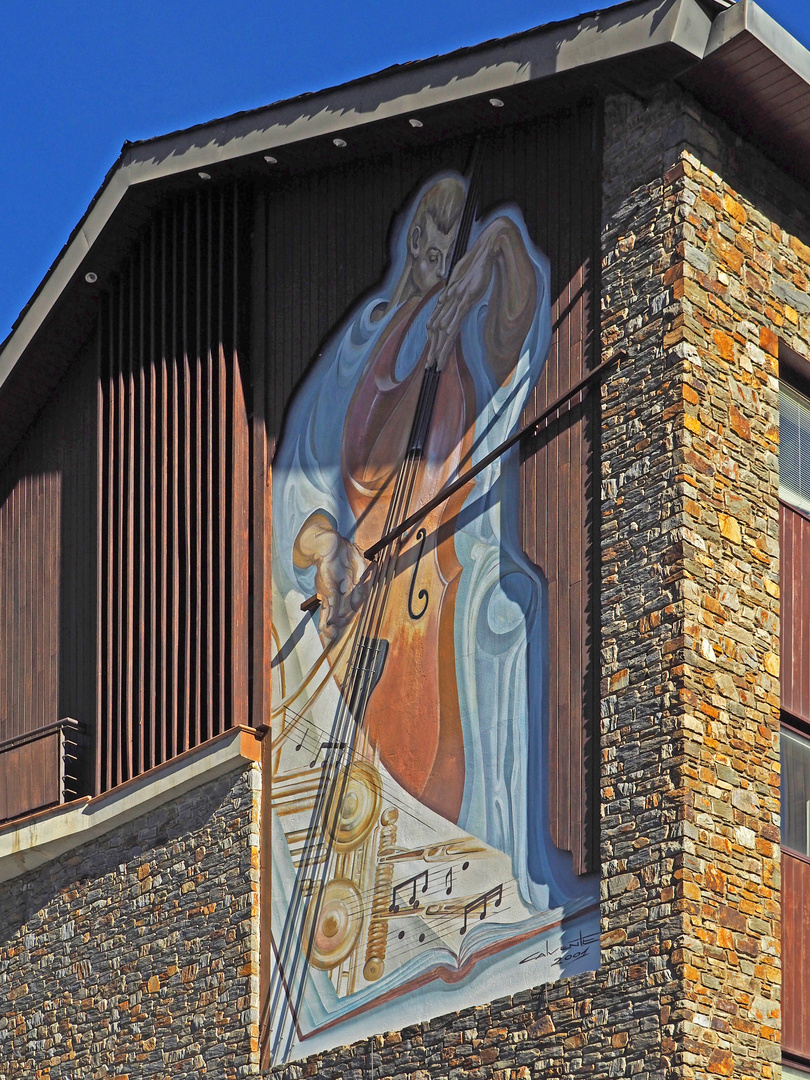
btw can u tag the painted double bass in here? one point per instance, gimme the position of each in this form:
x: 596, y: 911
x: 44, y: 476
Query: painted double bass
x: 412, y: 716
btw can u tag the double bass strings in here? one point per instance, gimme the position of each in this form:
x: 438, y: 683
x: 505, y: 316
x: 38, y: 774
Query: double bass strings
x: 326, y: 806
x: 353, y: 707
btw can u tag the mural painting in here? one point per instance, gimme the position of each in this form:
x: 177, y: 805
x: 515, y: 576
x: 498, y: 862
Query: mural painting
x: 413, y: 871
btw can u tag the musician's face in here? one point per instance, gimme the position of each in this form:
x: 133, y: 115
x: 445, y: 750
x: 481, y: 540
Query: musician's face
x: 430, y: 250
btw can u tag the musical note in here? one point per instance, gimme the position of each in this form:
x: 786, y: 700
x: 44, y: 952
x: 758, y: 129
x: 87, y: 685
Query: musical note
x: 413, y: 882
x: 302, y: 740
x: 326, y: 746
x: 306, y: 735
x: 495, y: 894
x: 448, y: 881
x: 401, y: 936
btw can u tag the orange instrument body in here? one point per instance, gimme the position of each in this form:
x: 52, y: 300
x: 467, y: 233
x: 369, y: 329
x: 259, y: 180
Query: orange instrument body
x: 412, y: 717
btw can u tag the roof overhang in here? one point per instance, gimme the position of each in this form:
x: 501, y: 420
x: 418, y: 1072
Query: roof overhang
x: 757, y: 77
x: 634, y: 45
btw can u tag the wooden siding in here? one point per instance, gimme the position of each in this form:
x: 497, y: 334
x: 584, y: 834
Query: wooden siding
x: 30, y: 776
x: 47, y: 566
x: 325, y: 243
x: 795, y: 954
x: 173, y: 491
x: 39, y: 769
x: 560, y: 523
x: 794, y: 569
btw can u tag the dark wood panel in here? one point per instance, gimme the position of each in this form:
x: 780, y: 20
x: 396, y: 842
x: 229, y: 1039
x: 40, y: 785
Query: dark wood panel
x: 47, y: 565
x: 794, y: 561
x: 324, y: 243
x: 30, y: 776
x: 795, y: 955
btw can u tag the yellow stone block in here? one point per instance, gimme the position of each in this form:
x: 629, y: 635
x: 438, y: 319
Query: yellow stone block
x: 734, y: 209
x: 802, y: 250
x: 724, y: 344
x: 730, y: 528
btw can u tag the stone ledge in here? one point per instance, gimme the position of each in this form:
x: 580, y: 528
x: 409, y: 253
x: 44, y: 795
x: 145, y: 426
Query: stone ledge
x: 35, y: 840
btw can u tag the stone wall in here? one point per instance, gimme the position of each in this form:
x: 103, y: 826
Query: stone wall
x: 136, y: 955
x: 740, y: 279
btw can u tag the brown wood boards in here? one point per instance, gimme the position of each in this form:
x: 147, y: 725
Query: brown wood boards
x: 794, y: 569
x: 173, y: 489
x: 30, y: 776
x: 795, y: 954
x: 38, y: 769
x: 47, y: 569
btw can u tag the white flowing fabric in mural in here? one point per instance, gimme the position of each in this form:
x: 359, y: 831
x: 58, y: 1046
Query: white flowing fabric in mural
x: 413, y: 869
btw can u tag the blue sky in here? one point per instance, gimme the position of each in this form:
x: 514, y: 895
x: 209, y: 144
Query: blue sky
x: 77, y: 79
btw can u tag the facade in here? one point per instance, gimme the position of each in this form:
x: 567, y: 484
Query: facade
x: 404, y: 643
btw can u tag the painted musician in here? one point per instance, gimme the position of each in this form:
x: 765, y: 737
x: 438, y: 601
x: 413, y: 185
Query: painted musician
x: 479, y: 760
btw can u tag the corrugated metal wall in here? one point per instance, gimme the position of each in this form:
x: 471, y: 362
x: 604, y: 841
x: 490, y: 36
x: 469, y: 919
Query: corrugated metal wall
x: 173, y: 491
x: 324, y: 244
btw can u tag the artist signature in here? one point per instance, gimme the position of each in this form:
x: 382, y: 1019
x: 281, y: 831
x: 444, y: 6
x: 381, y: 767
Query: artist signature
x: 566, y: 953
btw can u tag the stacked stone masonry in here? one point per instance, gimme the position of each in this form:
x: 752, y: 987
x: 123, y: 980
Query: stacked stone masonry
x: 137, y: 954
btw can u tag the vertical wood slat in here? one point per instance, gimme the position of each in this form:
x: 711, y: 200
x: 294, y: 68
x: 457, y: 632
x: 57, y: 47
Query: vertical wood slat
x: 108, y: 555
x: 163, y: 517
x: 202, y: 485
x: 173, y: 459
x: 224, y: 518
x: 152, y: 532
x: 241, y: 558
x: 178, y: 717
x: 794, y: 570
x: 47, y: 587
x: 795, y: 954
x: 100, y: 762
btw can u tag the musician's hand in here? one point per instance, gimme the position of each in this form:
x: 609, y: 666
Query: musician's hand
x: 468, y: 283
x: 339, y: 572
x: 495, y: 249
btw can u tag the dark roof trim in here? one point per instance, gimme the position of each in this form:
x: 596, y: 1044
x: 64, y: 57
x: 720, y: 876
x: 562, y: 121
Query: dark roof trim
x: 748, y: 17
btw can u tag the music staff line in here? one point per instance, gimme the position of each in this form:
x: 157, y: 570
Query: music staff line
x: 443, y: 924
x: 394, y: 909
x: 443, y: 915
x: 495, y: 895
x: 395, y: 800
